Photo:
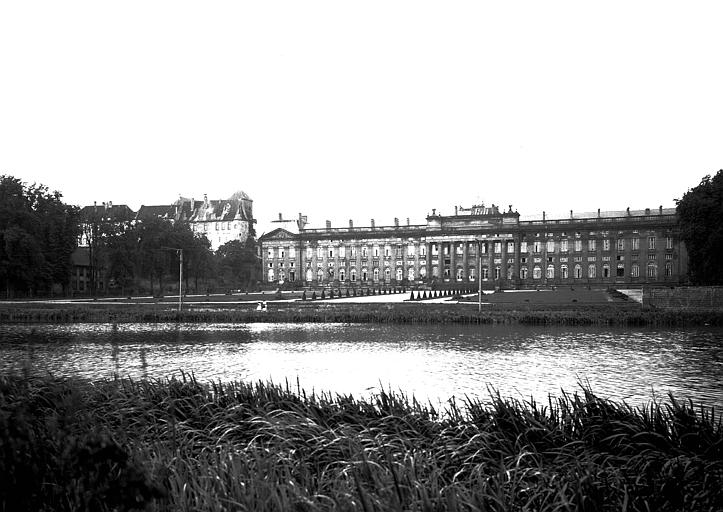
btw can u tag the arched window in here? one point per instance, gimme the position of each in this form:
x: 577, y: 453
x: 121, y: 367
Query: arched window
x: 591, y: 271
x: 435, y: 271
x: 578, y: 271
x: 460, y: 274
x: 498, y: 273
x: 352, y: 274
x: 410, y: 274
x: 472, y: 273
x: 342, y: 274
x: 606, y: 270
x: 422, y: 272
x: 376, y: 274
x: 309, y: 275
x: 400, y: 274
x: 536, y: 272
x: 320, y: 275
x: 668, y: 270
x: 550, y: 272
x: 563, y: 271
x: 635, y: 270
x: 282, y: 276
x: 485, y: 273
x: 510, y: 272
x: 523, y: 272
x: 364, y: 275
x: 652, y: 270
x: 387, y: 274
x: 271, y: 275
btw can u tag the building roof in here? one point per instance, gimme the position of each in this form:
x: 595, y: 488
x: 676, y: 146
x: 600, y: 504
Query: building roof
x: 107, y: 212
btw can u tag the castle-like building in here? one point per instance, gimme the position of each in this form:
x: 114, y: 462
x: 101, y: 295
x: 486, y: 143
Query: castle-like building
x: 621, y: 248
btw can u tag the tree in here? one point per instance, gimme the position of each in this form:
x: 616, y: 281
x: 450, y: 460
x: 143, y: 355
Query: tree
x: 700, y: 214
x: 238, y: 265
x: 38, y: 233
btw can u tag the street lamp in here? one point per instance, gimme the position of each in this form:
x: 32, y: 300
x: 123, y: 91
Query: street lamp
x: 180, y: 275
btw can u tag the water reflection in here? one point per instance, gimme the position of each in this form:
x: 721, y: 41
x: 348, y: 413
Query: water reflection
x: 431, y: 362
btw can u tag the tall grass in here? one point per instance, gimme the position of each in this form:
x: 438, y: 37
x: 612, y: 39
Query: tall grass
x: 620, y: 315
x: 182, y: 445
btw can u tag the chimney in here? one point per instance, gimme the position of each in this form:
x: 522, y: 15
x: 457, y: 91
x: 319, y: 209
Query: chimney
x: 193, y: 204
x: 205, y: 199
x: 280, y: 217
x: 543, y: 215
x: 647, y: 211
x: 571, y: 214
x: 110, y: 205
x: 396, y: 221
x: 628, y: 210
x: 407, y: 221
x: 372, y: 223
x: 455, y: 210
x: 95, y: 206
x: 351, y: 224
x: 434, y: 211
x: 598, y: 213
x: 660, y: 209
x: 328, y: 224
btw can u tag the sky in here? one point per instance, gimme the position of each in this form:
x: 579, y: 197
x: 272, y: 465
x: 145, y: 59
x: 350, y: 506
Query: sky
x: 357, y: 110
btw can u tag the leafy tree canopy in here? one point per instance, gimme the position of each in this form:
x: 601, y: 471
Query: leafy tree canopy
x: 700, y: 214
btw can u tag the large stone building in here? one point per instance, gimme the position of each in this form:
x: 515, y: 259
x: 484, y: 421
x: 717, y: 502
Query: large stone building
x: 621, y: 248
x: 221, y: 220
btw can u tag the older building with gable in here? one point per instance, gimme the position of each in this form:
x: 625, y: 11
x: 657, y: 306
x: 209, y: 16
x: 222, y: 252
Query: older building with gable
x: 621, y: 248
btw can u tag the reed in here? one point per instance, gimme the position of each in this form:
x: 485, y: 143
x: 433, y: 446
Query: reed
x: 179, y: 444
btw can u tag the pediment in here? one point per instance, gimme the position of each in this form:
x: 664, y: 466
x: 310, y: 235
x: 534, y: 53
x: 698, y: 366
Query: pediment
x: 279, y: 234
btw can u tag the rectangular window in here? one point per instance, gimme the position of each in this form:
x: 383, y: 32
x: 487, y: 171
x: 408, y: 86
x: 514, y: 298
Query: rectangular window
x: 270, y: 252
x: 550, y: 246
x: 352, y: 251
x: 282, y: 253
x: 423, y: 250
x: 376, y: 251
x: 606, y: 244
x: 591, y: 244
x: 651, y: 243
x: 536, y: 246
x: 342, y: 251
x: 635, y: 271
x: 398, y: 251
x: 578, y: 245
x: 510, y: 247
x: 309, y: 253
x: 435, y: 250
x: 292, y: 253
x: 364, y: 251
x: 563, y: 245
x: 410, y: 250
x: 669, y: 256
x: 668, y: 242
x: 635, y: 244
x: 320, y: 252
x: 523, y: 247
x: 621, y: 244
x: 331, y: 252
x: 498, y: 247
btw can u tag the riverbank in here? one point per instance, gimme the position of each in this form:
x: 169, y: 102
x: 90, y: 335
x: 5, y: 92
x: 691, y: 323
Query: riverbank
x: 182, y: 445
x: 613, y: 314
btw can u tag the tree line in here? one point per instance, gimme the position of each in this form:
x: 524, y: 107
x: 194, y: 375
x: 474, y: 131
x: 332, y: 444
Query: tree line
x: 39, y: 234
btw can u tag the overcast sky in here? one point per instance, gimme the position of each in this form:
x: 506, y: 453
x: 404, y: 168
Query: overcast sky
x: 358, y: 110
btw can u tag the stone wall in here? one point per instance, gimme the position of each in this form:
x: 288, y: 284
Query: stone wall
x: 687, y: 297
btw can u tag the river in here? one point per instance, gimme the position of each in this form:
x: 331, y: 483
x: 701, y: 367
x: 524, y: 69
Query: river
x: 433, y: 363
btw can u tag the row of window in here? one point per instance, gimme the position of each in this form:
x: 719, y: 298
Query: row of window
x: 578, y: 272
x: 412, y: 250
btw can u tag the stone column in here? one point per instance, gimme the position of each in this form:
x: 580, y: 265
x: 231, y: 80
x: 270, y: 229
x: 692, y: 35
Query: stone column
x: 465, y: 265
x: 503, y: 265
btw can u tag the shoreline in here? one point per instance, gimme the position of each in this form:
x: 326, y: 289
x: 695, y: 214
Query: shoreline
x: 330, y: 311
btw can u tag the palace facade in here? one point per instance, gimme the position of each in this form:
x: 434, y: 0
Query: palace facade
x: 621, y: 248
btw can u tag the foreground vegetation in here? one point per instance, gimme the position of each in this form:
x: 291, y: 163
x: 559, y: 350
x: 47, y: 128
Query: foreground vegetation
x: 536, y: 314
x: 182, y: 445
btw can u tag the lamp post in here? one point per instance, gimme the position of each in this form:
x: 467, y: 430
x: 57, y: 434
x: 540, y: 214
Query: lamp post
x: 180, y: 274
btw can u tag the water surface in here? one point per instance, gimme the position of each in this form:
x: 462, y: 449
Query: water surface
x: 431, y: 362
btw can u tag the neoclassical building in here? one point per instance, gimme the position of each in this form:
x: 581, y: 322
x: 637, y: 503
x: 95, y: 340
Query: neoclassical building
x: 622, y: 248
